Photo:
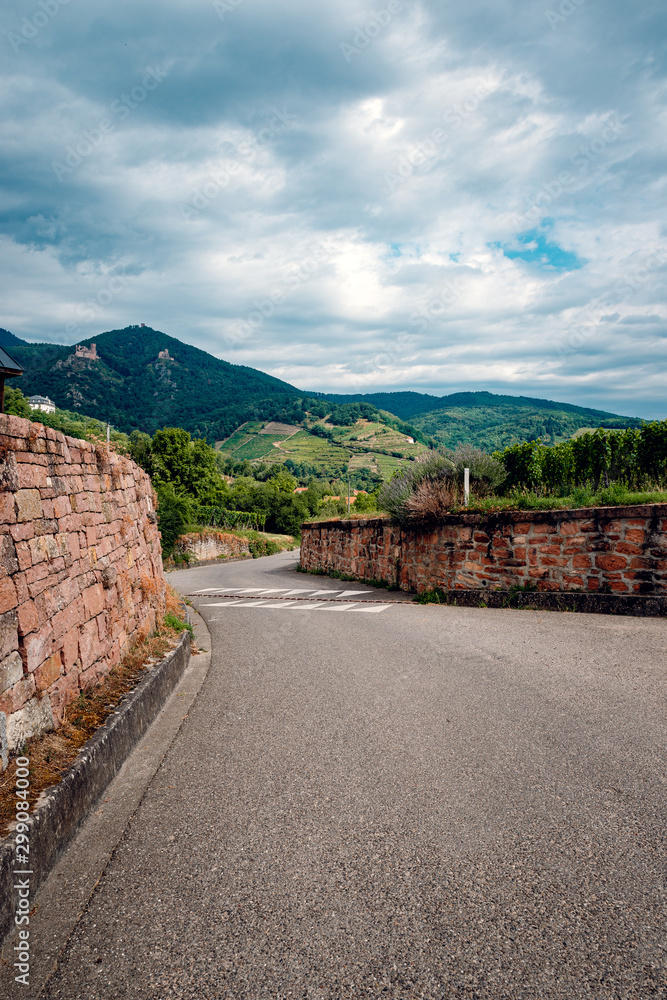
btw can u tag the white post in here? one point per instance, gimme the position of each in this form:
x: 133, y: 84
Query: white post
x: 108, y: 432
x: 466, y: 486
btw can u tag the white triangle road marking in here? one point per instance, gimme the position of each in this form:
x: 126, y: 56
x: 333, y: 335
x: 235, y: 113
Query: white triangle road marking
x: 337, y: 607
x: 374, y: 610
x: 224, y: 604
x: 351, y: 593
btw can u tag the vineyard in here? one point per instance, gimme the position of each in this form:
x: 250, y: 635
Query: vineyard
x: 635, y: 458
x: 218, y: 517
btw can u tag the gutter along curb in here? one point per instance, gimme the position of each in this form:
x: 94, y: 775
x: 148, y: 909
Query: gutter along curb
x: 64, y: 807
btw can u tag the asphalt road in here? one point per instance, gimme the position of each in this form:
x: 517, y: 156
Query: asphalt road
x: 373, y: 798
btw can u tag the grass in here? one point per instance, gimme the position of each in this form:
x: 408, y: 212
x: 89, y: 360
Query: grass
x: 616, y: 495
x: 260, y: 446
x: 53, y: 753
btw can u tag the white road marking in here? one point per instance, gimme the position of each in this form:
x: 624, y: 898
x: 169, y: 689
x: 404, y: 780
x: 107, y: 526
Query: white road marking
x: 329, y: 592
x: 351, y: 593
x: 307, y: 590
x: 374, y: 609
x: 206, y: 590
x: 276, y: 590
x: 224, y: 604
x: 264, y: 604
x: 337, y: 607
x: 301, y: 606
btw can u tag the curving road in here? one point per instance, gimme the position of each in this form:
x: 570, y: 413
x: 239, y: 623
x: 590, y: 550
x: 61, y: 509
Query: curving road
x: 373, y: 798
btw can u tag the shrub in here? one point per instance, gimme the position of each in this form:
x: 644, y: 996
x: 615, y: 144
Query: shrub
x: 487, y: 473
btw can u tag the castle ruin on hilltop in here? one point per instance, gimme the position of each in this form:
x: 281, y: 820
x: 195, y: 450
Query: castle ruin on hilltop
x: 86, y: 352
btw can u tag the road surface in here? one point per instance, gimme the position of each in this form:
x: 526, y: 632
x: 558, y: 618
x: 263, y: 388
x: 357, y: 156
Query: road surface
x: 374, y: 798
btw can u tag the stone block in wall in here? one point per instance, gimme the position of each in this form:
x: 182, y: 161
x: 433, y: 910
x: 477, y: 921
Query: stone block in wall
x: 9, y: 475
x: 8, y: 597
x: 33, y: 719
x: 8, y: 561
x: 38, y: 646
x: 49, y: 672
x: 16, y: 696
x: 28, y: 504
x: 89, y: 644
x: 11, y: 671
x: 9, y: 636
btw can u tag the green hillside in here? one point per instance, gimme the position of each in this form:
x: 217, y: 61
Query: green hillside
x: 130, y: 386
x: 487, y: 420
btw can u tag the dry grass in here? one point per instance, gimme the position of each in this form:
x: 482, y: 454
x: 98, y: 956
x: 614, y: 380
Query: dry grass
x: 52, y: 753
x: 432, y: 499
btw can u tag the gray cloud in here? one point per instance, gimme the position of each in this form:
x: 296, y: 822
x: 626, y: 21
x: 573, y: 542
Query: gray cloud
x: 480, y: 186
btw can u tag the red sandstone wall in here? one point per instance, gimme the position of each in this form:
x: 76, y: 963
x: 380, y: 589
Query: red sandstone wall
x: 80, y: 569
x: 623, y: 549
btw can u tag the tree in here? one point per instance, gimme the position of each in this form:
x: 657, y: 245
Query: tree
x: 190, y: 466
x: 16, y: 403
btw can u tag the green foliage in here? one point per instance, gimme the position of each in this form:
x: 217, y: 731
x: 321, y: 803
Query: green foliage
x: 633, y: 458
x: 190, y: 466
x: 487, y: 473
x: 78, y: 425
x: 436, y: 596
x: 179, y: 624
x: 365, y: 503
x: 16, y: 403
x: 219, y: 517
x: 173, y: 515
x: 140, y: 448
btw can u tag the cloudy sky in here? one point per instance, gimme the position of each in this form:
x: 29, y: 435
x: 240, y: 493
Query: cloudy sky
x: 418, y: 194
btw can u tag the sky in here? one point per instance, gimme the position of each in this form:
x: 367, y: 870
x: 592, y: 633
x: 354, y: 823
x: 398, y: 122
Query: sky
x: 418, y: 194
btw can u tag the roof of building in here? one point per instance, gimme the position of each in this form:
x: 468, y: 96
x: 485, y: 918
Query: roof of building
x: 7, y: 364
x: 41, y: 399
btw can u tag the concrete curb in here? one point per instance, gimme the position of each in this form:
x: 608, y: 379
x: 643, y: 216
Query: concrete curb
x: 64, y: 807
x: 169, y: 567
x: 638, y: 605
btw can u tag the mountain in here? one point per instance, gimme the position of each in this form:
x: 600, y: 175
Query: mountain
x: 145, y: 379
x: 8, y: 339
x: 488, y: 420
x: 409, y: 404
x: 141, y: 378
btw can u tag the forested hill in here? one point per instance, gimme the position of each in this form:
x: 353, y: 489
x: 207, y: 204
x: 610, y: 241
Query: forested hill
x: 8, y: 339
x: 407, y: 405
x: 131, y: 386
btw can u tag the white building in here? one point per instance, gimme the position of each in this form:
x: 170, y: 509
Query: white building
x: 41, y: 403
